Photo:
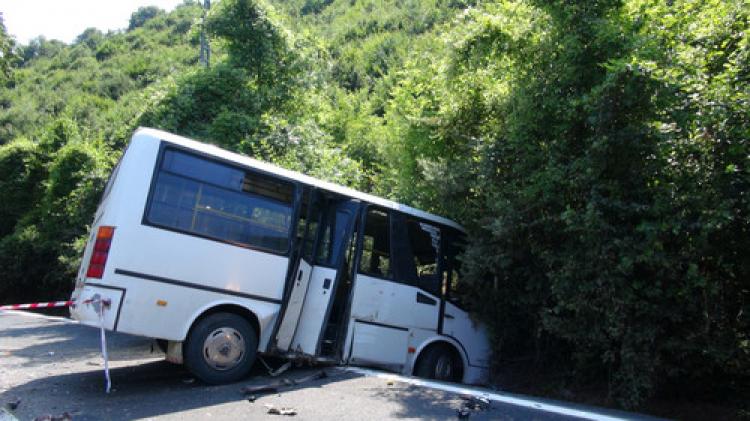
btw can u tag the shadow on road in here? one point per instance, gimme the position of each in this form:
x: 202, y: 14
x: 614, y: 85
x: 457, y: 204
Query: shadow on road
x: 60, y: 342
x: 141, y: 391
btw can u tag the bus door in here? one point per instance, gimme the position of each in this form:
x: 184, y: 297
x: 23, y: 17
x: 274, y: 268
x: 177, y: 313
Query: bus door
x: 396, y: 289
x: 310, y: 221
x: 316, y: 325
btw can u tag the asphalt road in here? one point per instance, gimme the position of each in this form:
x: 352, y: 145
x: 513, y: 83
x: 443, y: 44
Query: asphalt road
x: 54, y: 366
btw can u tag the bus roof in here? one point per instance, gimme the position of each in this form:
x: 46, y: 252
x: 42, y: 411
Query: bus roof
x: 159, y: 135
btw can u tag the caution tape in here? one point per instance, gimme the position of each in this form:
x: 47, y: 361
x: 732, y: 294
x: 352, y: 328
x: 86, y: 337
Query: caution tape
x: 50, y: 304
x: 100, y: 306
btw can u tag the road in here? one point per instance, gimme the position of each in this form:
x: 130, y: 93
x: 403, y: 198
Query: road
x: 54, y: 366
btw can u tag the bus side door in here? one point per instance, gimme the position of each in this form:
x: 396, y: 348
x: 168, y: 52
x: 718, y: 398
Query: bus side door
x: 396, y: 289
x: 339, y: 215
x: 311, y: 216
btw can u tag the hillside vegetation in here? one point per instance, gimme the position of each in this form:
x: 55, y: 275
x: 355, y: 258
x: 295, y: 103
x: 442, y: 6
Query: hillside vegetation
x: 597, y: 152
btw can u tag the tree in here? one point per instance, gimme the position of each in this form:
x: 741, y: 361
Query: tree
x: 255, y: 40
x: 8, y: 57
x: 143, y: 15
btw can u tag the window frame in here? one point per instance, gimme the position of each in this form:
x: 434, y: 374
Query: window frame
x: 403, y: 233
x: 164, y: 146
x: 361, y: 243
x: 453, y: 236
x: 393, y: 215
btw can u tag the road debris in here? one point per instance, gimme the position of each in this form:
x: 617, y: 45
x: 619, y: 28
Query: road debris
x: 275, y: 372
x: 475, y: 403
x: 472, y: 404
x: 262, y: 389
x: 276, y: 385
x: 65, y: 416
x: 13, y: 404
x: 281, y: 411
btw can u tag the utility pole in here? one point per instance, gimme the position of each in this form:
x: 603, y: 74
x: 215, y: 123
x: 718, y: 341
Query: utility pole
x: 205, y: 48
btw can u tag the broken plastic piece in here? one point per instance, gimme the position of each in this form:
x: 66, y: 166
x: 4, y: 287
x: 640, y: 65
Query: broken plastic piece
x: 281, y: 411
x: 264, y: 388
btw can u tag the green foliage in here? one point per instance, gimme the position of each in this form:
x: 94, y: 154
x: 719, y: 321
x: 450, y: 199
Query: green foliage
x: 143, y: 15
x: 40, y: 258
x: 597, y: 151
x: 21, y: 175
x: 599, y: 160
x: 7, y: 53
x: 254, y: 39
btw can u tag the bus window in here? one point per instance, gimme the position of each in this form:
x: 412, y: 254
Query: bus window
x: 454, y: 245
x: 425, y: 248
x: 376, y: 250
x: 333, y: 235
x: 307, y: 226
x: 210, y: 199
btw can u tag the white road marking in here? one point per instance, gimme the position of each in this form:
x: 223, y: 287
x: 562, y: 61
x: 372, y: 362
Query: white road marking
x: 499, y: 397
x: 39, y: 316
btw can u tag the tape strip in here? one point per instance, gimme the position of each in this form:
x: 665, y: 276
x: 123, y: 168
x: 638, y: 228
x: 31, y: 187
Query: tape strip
x: 37, y: 305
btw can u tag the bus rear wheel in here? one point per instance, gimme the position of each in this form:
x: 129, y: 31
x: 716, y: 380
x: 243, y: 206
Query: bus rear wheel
x: 440, y: 362
x: 221, y: 348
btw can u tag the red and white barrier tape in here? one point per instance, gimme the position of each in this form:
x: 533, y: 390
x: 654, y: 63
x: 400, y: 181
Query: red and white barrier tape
x: 37, y: 305
x: 99, y: 304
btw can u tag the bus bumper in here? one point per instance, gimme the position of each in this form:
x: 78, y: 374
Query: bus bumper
x: 89, y: 301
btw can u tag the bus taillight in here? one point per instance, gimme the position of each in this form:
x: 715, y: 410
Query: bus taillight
x: 100, y: 252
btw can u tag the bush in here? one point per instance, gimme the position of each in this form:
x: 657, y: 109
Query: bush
x: 21, y: 174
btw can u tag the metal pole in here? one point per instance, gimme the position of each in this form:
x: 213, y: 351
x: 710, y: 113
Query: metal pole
x: 205, y: 58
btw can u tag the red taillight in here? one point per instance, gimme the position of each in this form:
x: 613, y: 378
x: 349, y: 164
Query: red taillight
x: 101, y: 250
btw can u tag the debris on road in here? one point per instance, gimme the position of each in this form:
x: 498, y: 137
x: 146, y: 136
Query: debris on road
x: 262, y: 389
x: 274, y: 373
x: 281, y: 411
x: 475, y: 403
x: 274, y: 386
x: 65, y: 416
x: 315, y: 376
x: 472, y: 404
x: 13, y: 404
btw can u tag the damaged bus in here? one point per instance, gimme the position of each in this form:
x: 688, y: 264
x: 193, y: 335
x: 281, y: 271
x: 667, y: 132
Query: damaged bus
x: 222, y: 257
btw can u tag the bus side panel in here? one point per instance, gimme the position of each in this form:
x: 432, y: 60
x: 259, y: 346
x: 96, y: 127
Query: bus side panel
x: 185, y: 271
x: 142, y: 313
x: 472, y: 335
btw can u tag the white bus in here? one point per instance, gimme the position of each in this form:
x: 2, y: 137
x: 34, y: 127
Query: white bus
x: 221, y: 257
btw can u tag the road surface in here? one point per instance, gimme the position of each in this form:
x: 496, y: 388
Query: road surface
x: 55, y: 366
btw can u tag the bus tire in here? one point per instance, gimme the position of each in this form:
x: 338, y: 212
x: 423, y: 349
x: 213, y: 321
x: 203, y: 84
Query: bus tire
x: 439, y: 362
x: 220, y: 348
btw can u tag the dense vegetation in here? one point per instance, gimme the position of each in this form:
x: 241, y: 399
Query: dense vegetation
x: 597, y: 151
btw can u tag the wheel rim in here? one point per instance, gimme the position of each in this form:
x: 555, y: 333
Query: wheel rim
x: 224, y: 348
x: 444, y: 368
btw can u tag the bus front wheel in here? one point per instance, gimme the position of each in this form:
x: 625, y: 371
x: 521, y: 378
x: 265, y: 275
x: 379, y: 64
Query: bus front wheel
x: 220, y: 348
x: 440, y: 362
